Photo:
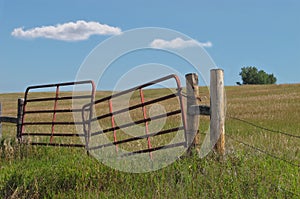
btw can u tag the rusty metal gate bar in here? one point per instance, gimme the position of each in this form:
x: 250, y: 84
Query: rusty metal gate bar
x: 54, y: 111
x: 146, y: 123
x: 88, y: 120
x: 113, y: 122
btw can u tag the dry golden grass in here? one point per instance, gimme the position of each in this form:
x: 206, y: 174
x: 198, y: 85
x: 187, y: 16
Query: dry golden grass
x: 273, y: 106
x: 47, y: 172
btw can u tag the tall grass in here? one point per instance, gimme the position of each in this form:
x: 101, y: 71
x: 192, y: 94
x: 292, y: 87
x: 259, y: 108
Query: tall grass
x: 46, y: 172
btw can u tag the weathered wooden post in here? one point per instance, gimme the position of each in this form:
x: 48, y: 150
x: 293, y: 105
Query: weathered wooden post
x: 19, y: 117
x: 192, y: 119
x: 217, y: 106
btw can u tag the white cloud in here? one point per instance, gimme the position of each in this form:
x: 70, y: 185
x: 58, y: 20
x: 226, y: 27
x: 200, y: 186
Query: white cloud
x: 71, y: 31
x: 178, y: 43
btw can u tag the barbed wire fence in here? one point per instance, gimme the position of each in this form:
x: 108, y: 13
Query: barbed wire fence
x: 293, y: 136
x: 263, y: 151
x: 263, y: 128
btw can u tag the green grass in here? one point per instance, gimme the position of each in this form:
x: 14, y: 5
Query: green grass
x: 47, y: 172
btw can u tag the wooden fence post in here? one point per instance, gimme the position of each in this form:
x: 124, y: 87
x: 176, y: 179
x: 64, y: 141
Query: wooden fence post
x: 192, y: 119
x: 19, y: 117
x: 217, y: 120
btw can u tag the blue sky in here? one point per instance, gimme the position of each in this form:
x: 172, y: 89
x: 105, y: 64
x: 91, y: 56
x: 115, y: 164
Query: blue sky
x: 34, y: 49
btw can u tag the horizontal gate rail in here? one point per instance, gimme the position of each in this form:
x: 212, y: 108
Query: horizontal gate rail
x: 59, y: 98
x: 56, y: 134
x: 141, y: 106
x: 52, y: 123
x: 154, y: 149
x: 136, y: 122
x: 8, y: 119
x: 58, y: 144
x: 138, y: 138
x: 52, y: 111
x: 43, y: 123
x: 131, y: 107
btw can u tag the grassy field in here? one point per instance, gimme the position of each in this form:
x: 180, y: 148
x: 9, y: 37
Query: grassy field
x: 245, y: 172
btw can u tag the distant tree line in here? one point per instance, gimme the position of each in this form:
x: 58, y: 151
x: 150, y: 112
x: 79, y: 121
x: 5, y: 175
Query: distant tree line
x: 251, y: 75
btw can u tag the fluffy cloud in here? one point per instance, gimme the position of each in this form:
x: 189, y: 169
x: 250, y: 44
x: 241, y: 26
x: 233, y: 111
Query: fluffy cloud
x: 71, y: 31
x: 178, y: 43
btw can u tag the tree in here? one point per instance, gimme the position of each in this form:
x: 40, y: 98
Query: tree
x: 251, y: 75
x: 272, y: 79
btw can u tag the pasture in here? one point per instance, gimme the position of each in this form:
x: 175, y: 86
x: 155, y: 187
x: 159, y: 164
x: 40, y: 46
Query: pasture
x: 259, y: 162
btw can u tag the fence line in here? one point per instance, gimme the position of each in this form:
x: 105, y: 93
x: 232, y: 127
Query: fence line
x: 265, y: 152
x: 264, y: 128
x: 270, y: 155
x: 258, y: 149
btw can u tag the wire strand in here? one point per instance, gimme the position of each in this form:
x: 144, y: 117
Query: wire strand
x: 265, y: 152
x: 270, y: 155
x: 264, y: 128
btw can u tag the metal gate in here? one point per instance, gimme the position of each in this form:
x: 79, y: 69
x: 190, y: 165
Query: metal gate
x: 47, y: 117
x: 133, y: 128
